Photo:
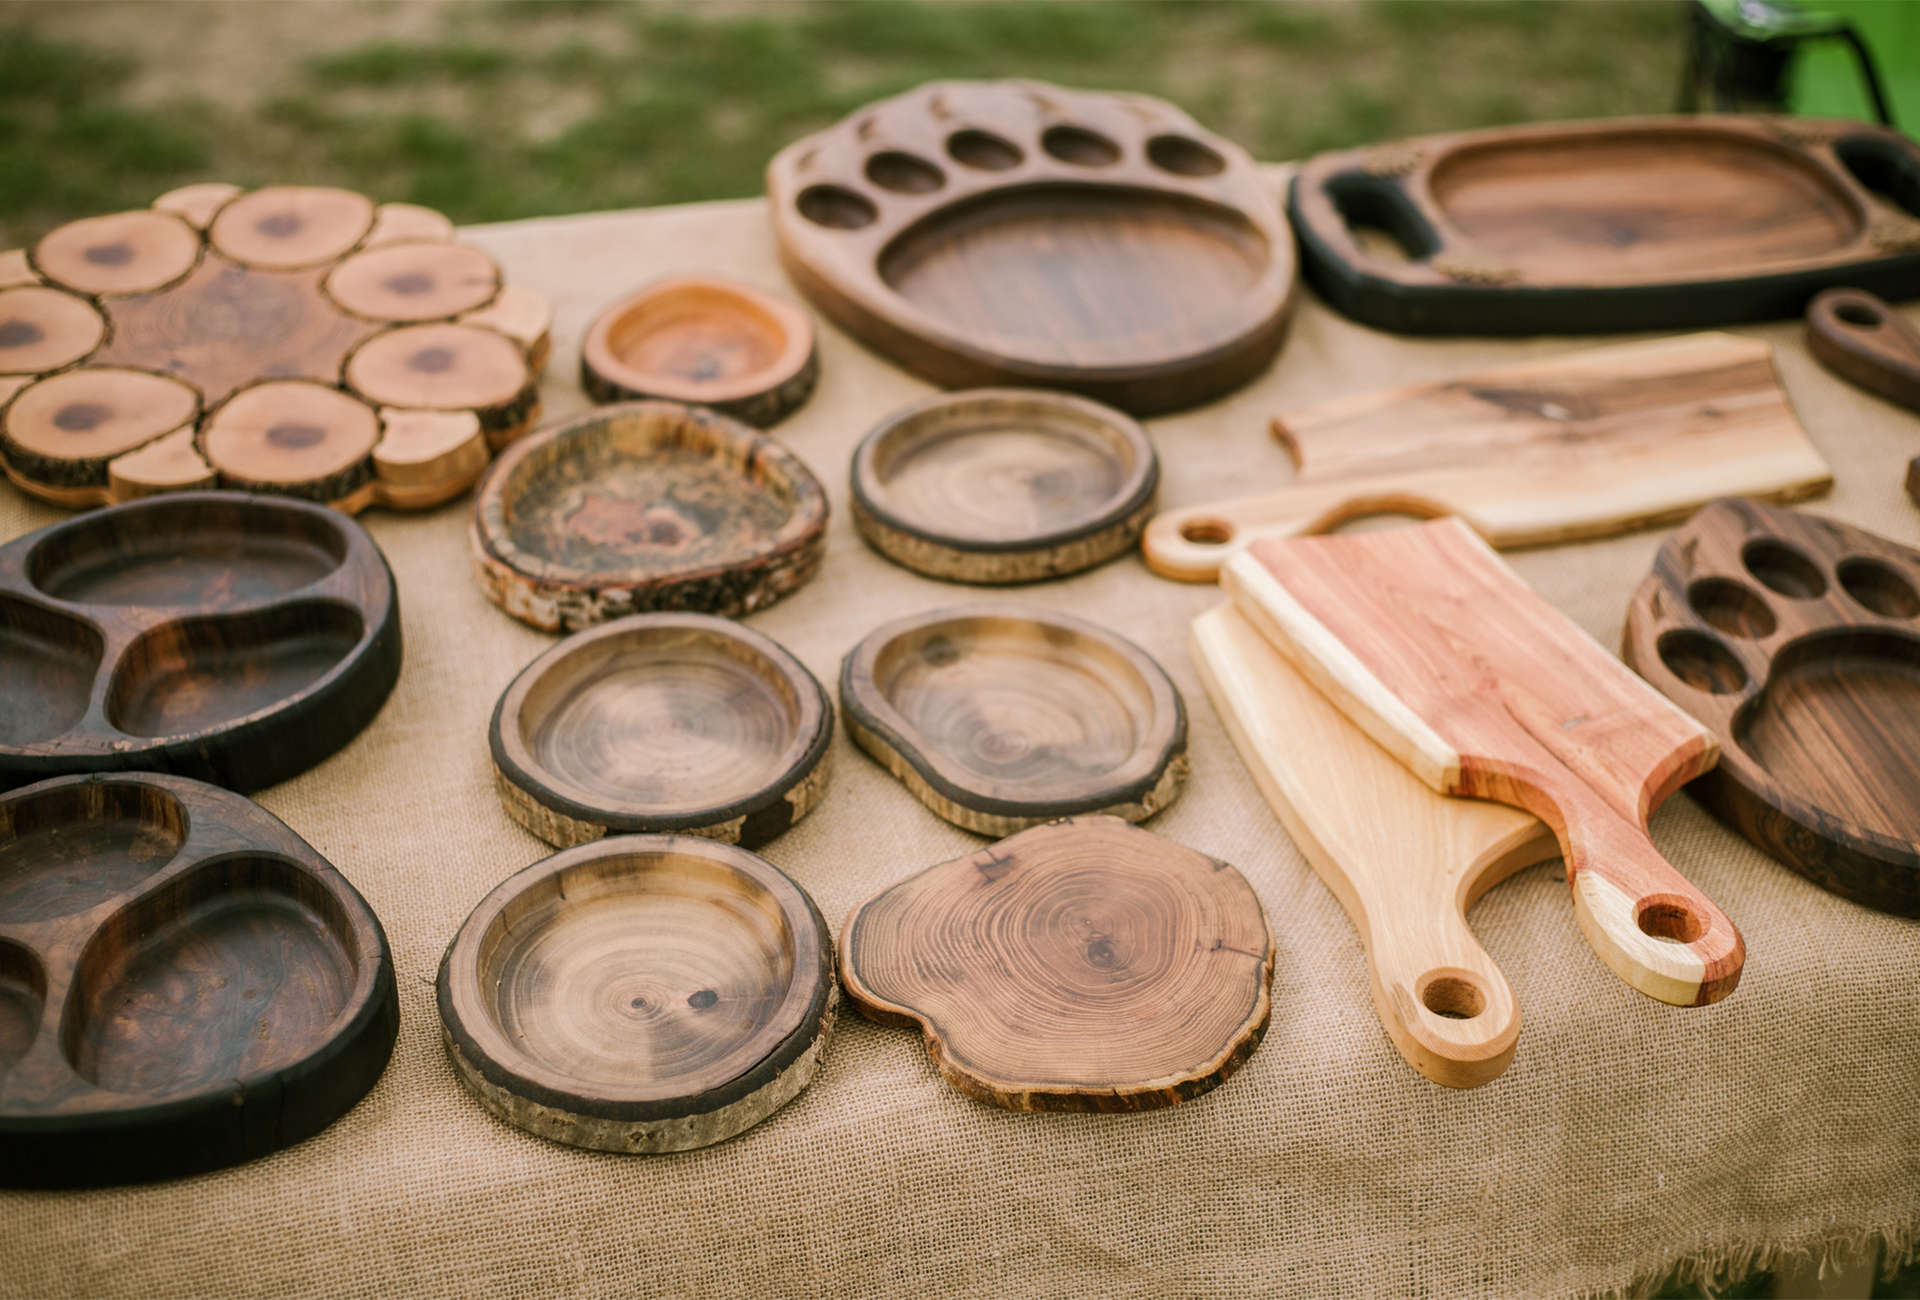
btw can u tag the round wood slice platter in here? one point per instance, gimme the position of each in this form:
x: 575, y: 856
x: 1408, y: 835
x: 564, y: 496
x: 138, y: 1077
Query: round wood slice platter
x: 223, y: 636
x: 184, y: 983
x: 662, y: 723
x: 644, y: 993
x: 645, y: 506
x: 998, y: 717
x: 705, y: 341
x: 1082, y: 965
x: 999, y: 485
x: 1012, y: 232
x: 288, y: 340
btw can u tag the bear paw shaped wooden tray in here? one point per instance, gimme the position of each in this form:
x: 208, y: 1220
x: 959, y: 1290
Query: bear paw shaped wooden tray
x: 293, y: 340
x: 230, y: 638
x: 1082, y: 965
x: 184, y: 983
x: 1797, y: 640
x: 1011, y: 232
x: 998, y: 717
x: 646, y: 993
x: 1626, y: 224
x: 662, y: 723
x: 640, y: 507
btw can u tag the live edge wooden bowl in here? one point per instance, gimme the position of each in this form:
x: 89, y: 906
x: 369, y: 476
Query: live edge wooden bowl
x: 644, y: 993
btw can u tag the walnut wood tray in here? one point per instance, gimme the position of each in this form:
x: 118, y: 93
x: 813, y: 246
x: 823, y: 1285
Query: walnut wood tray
x: 230, y: 638
x: 1011, y: 232
x: 645, y: 993
x: 184, y: 983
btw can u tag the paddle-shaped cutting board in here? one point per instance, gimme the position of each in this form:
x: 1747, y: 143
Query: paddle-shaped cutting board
x: 1477, y: 685
x: 1585, y: 444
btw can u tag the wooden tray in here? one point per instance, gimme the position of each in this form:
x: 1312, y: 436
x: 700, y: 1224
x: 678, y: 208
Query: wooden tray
x: 293, y: 340
x: 1865, y: 341
x: 1624, y: 224
x: 1011, y: 232
x: 645, y: 506
x: 1587, y: 444
x: 184, y: 983
x: 1000, y: 485
x: 1795, y: 639
x: 1083, y: 965
x: 226, y: 637
x: 662, y: 723
x: 646, y: 993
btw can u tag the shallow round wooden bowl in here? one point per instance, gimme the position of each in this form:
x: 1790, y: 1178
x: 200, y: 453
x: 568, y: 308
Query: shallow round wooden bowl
x: 662, y: 722
x: 640, y: 507
x: 999, y: 717
x: 999, y: 485
x: 645, y: 993
x: 706, y: 341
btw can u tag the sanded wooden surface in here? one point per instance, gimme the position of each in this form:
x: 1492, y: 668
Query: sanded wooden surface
x: 1864, y: 340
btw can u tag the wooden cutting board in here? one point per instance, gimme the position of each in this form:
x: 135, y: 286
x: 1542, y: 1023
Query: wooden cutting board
x: 1480, y: 687
x: 1586, y: 444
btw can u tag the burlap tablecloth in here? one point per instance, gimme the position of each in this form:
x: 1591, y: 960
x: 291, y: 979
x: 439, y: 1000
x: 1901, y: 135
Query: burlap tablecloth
x: 1628, y: 1137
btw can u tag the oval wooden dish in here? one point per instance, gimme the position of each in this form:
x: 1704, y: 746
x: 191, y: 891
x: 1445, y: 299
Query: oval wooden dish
x: 184, y: 983
x: 662, y: 723
x: 999, y: 485
x: 230, y: 638
x: 645, y: 506
x: 1012, y: 232
x: 705, y: 341
x: 998, y: 717
x: 644, y: 993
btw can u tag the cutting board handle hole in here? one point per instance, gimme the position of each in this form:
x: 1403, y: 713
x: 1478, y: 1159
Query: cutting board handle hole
x: 1702, y: 662
x: 1452, y: 996
x: 1381, y: 218
x: 1876, y: 587
x: 1669, y: 919
x: 1885, y: 166
x: 1784, y: 569
x: 1207, y: 532
x: 1858, y: 313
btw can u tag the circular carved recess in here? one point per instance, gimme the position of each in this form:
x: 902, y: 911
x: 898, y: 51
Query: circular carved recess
x: 450, y: 368
x: 998, y: 717
x: 299, y: 438
x: 662, y: 722
x: 59, y: 435
x: 44, y: 329
x: 1082, y: 965
x: 644, y: 993
x: 414, y: 282
x: 288, y: 226
x: 129, y: 252
x: 1004, y: 485
x: 640, y: 507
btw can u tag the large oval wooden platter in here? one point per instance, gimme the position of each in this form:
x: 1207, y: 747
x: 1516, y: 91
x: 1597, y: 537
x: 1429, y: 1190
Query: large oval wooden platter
x: 1623, y: 224
x: 644, y: 993
x: 227, y: 637
x: 1797, y: 640
x: 1012, y: 232
x: 184, y: 983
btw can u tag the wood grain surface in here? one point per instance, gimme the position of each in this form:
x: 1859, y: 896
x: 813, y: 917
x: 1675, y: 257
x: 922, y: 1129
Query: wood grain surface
x: 43, y: 329
x: 294, y: 436
x: 1865, y: 341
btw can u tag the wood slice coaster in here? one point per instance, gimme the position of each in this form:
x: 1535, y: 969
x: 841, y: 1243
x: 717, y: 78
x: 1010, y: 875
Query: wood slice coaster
x: 1797, y: 640
x: 61, y: 434
x: 707, y: 342
x: 1000, y: 485
x: 232, y: 638
x: 451, y: 367
x: 998, y: 717
x: 1011, y: 232
x: 43, y: 329
x: 640, y: 507
x: 1084, y: 965
x: 414, y: 282
x: 644, y: 993
x: 184, y: 983
x: 129, y: 252
x: 662, y: 723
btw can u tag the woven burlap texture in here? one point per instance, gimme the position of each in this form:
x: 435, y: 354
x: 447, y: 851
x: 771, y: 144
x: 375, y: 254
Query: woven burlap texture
x: 1628, y: 1137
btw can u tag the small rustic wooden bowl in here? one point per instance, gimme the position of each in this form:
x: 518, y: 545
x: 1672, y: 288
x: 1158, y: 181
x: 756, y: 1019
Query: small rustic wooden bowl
x: 998, y: 717
x: 662, y: 723
x: 640, y: 507
x: 1000, y: 485
x: 645, y: 993
x: 707, y: 342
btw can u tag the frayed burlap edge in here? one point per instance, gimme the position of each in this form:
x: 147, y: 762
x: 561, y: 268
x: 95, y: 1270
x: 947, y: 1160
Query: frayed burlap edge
x: 1898, y: 1241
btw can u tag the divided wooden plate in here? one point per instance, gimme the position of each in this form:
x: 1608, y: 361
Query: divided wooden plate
x: 646, y: 993
x: 184, y: 983
x: 1797, y: 640
x: 1582, y: 445
x: 662, y: 723
x: 640, y: 507
x: 293, y: 340
x: 1624, y: 224
x: 226, y: 637
x: 1012, y: 232
x: 999, y: 717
